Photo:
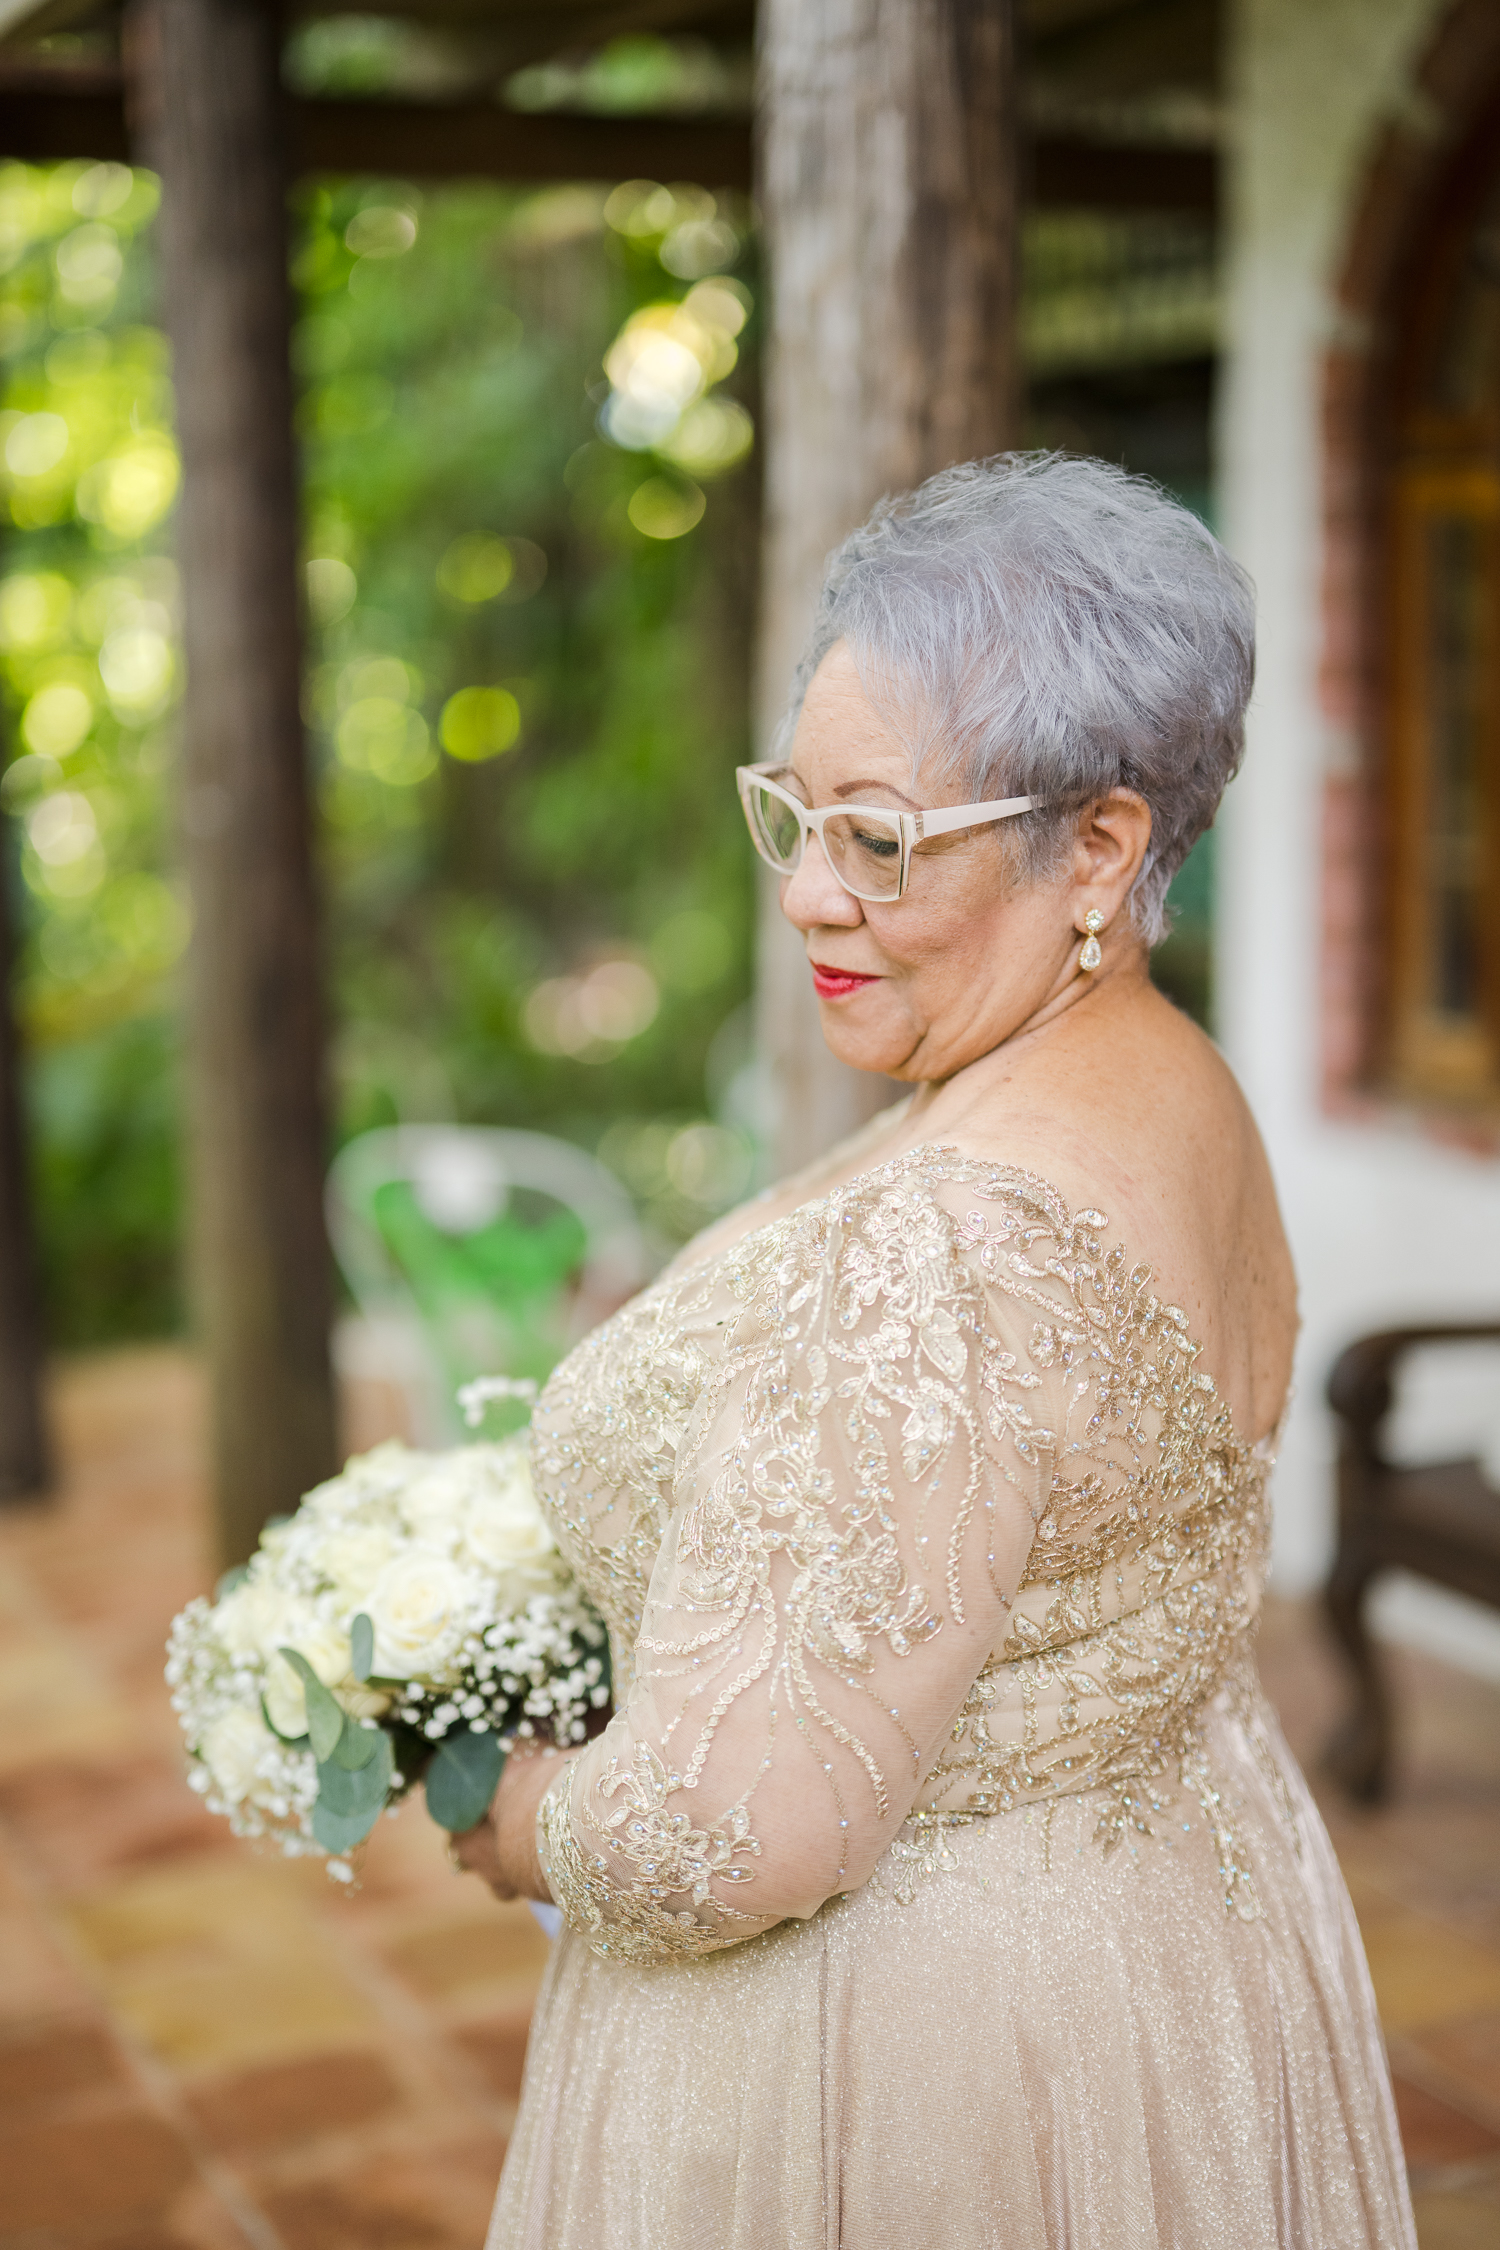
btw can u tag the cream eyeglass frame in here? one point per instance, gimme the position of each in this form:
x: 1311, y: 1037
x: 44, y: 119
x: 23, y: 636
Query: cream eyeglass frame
x: 912, y: 827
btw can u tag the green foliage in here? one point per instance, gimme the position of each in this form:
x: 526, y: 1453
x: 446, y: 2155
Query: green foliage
x: 525, y: 681
x: 357, y: 1746
x: 351, y: 1797
x: 88, y: 671
x: 106, y: 1174
x: 527, y: 718
x: 325, y: 1716
x: 462, y: 1779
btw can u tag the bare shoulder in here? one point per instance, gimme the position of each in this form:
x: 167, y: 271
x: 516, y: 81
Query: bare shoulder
x: 1137, y: 1114
x: 1132, y: 1104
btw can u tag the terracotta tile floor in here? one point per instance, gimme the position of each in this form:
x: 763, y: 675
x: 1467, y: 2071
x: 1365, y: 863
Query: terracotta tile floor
x: 202, y: 2049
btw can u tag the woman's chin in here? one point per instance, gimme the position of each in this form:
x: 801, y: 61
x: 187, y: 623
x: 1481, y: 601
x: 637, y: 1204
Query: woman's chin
x: 862, y: 1047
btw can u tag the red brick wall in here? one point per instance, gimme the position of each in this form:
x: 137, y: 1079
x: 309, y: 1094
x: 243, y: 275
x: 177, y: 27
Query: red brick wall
x: 1457, y: 79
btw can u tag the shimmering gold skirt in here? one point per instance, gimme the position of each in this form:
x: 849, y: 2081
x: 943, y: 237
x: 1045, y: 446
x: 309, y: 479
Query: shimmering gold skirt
x: 1046, y: 2049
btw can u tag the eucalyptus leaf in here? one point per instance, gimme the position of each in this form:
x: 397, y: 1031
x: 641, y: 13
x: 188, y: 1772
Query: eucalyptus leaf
x: 233, y: 1577
x: 362, y: 1647
x: 462, y: 1780
x: 349, y: 1793
x: 337, y: 1833
x: 356, y: 1746
x: 325, y: 1718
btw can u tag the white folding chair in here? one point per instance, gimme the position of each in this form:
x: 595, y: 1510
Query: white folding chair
x: 464, y: 1179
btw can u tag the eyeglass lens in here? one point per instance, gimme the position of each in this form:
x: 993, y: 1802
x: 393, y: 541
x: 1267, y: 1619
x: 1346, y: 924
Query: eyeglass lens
x: 863, y: 847
x: 864, y: 851
x: 776, y: 826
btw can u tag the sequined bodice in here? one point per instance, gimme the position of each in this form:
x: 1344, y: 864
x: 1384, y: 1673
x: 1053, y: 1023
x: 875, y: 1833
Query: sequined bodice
x: 913, y: 1505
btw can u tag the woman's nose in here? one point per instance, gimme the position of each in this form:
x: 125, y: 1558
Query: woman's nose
x: 813, y: 897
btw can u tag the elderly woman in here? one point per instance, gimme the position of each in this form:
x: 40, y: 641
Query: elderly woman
x: 942, y: 1877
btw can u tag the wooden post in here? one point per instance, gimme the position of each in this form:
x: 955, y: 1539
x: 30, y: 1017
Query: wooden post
x: 888, y: 188
x: 24, y: 1463
x: 206, y: 103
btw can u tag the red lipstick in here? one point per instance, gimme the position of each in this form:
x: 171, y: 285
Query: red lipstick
x: 837, y: 984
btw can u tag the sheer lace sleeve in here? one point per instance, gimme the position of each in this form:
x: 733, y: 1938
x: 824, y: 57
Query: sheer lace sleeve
x: 853, y: 1504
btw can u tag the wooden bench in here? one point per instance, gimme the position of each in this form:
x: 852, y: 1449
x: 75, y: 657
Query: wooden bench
x: 1441, y: 1521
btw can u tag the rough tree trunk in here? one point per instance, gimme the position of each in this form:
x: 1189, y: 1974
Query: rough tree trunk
x: 24, y: 1464
x: 207, y: 109
x: 887, y: 182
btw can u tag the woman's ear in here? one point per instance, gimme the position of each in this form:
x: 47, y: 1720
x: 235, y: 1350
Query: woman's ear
x: 1113, y: 838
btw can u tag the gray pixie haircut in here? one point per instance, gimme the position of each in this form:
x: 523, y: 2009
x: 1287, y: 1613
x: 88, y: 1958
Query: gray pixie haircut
x: 1051, y: 627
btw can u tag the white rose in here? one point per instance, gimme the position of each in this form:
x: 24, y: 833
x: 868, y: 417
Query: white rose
x: 418, y: 1606
x: 286, y: 1700
x: 252, y: 1621
x: 385, y: 1468
x: 505, y: 1527
x: 364, y: 1476
x: 232, y: 1749
x: 354, y: 1558
x: 433, y: 1504
x: 326, y: 1650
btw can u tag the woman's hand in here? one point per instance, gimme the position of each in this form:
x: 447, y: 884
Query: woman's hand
x: 502, y: 1849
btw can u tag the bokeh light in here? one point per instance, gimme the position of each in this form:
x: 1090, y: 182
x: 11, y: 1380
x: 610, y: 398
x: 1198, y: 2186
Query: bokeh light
x: 34, y: 443
x: 34, y: 607
x: 476, y: 568
x: 56, y: 719
x: 479, y: 723
x: 591, y: 1016
x: 136, y: 667
x: 387, y: 739
x: 89, y: 264
x: 682, y: 1172
x: 332, y: 588
x: 709, y: 1164
x: 64, y: 854
x: 103, y: 189
x: 381, y: 230
x: 130, y: 491
x: 712, y: 435
x: 665, y: 507
x: 665, y: 358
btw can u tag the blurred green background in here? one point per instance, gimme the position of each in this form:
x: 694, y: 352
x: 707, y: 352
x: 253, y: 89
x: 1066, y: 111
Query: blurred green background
x: 527, y: 425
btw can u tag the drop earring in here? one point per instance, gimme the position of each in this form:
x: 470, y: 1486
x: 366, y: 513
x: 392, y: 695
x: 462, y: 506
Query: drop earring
x: 1090, y: 954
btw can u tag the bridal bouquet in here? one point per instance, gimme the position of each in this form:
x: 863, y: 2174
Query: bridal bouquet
x: 409, y: 1622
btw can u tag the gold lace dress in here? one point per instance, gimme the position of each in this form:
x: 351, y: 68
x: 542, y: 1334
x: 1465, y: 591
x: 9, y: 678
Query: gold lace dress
x: 943, y: 1877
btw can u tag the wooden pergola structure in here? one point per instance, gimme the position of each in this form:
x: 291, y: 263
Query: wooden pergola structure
x: 890, y: 165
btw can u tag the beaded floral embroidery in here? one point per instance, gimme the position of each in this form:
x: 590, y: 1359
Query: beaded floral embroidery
x: 940, y: 1324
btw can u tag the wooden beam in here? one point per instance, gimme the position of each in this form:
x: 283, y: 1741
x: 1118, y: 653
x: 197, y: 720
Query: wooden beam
x: 51, y: 113
x: 447, y: 140
x: 1096, y: 175
x: 206, y: 91
x: 24, y: 1461
x: 47, y: 114
x: 889, y: 195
